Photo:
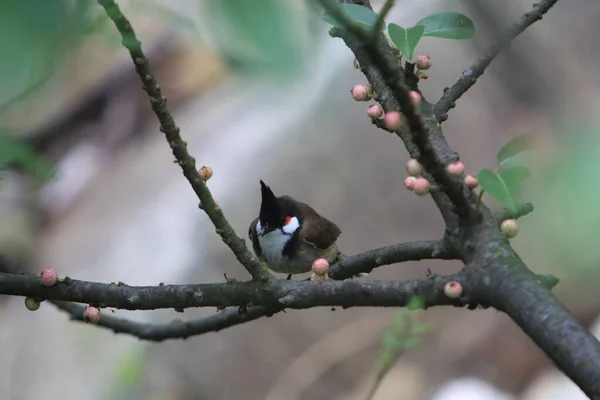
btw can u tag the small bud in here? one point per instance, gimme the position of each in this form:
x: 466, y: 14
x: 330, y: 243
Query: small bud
x: 362, y: 92
x: 409, y: 182
x: 471, y: 181
x: 421, y: 186
x: 415, y: 97
x: 91, y: 315
x: 393, y: 120
x: 453, y: 289
x: 375, y: 111
x: 509, y: 228
x: 314, y: 277
x: 205, y: 173
x: 423, y: 62
x: 421, y: 75
x: 320, y: 266
x: 49, y: 277
x: 456, y: 168
x: 31, y: 303
x: 413, y: 167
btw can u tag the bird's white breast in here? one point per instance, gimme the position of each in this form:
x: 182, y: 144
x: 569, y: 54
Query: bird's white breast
x: 273, y: 243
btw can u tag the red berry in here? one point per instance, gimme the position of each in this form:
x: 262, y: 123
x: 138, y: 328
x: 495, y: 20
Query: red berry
x: 423, y: 62
x: 91, y: 315
x: 453, y: 289
x: 362, y: 92
x: 320, y: 266
x: 421, y: 187
x: 393, y: 120
x: 49, y: 277
x: 375, y: 111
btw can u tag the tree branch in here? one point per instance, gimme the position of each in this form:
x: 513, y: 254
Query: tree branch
x: 412, y: 251
x: 469, y: 77
x: 496, y: 275
x: 179, y: 146
x: 392, y: 93
x: 176, y: 329
x: 274, y: 294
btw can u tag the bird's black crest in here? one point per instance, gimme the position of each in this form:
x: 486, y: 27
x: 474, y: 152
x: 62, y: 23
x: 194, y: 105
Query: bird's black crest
x: 270, y: 210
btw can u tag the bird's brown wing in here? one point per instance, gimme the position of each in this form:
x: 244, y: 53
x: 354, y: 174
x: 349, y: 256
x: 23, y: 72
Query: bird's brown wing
x: 322, y: 233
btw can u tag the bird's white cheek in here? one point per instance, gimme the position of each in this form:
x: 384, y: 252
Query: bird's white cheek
x: 291, y: 226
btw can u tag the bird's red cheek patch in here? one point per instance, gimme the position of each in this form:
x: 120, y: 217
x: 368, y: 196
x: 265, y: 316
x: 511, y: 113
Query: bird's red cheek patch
x: 287, y: 220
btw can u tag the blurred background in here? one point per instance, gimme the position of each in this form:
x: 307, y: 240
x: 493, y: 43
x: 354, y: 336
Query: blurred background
x: 260, y: 91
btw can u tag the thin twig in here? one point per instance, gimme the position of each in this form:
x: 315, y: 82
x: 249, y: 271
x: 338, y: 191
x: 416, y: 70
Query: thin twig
x: 521, y: 211
x: 387, y: 7
x: 402, y: 252
x: 176, y: 329
x: 469, y: 77
x: 178, y: 145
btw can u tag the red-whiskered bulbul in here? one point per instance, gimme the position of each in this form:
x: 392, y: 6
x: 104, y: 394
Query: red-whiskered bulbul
x: 289, y: 235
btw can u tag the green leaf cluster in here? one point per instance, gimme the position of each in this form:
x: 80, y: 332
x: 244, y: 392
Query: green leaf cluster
x: 504, y: 183
x: 443, y: 25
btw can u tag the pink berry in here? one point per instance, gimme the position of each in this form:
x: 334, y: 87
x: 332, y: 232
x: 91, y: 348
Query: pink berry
x: 413, y: 167
x: 509, y: 228
x: 415, y: 97
x: 320, y: 266
x: 49, y: 277
x: 453, y: 289
x: 91, y: 315
x: 456, y: 168
x: 423, y: 62
x: 31, y: 303
x: 421, y: 187
x: 471, y: 181
x: 375, y: 111
x: 409, y: 182
x: 393, y: 120
x: 362, y: 92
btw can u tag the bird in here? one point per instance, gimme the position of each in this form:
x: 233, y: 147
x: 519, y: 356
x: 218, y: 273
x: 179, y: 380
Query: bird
x: 289, y: 235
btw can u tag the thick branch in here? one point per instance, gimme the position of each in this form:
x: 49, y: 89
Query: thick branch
x: 178, y: 145
x: 511, y: 287
x: 273, y: 294
x: 469, y: 77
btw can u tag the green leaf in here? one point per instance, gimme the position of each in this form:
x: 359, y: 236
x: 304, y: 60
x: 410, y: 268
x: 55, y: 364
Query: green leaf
x: 416, y: 303
x: 42, y: 34
x: 513, y: 177
x: 493, y: 183
x: 448, y: 25
x: 14, y: 151
x: 243, y: 34
x: 406, y: 39
x: 508, y: 154
x: 391, y: 340
x: 412, y: 341
x: 385, y: 360
x: 357, y: 13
